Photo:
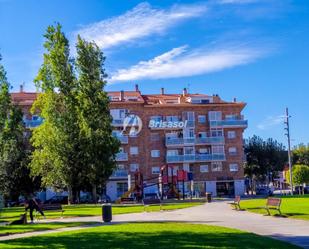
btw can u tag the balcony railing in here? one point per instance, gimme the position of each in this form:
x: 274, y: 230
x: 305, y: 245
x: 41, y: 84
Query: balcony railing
x: 117, y: 122
x: 195, y: 158
x: 29, y: 123
x: 119, y: 173
x: 121, y: 156
x: 122, y: 138
x: 169, y: 141
x: 229, y: 123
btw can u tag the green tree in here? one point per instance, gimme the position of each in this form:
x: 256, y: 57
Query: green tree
x: 300, y: 154
x: 300, y: 175
x: 74, y: 147
x: 56, y: 141
x: 15, y: 177
x: 264, y: 159
x: 99, y: 146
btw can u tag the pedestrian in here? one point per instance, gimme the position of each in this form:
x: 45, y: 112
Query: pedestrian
x: 32, y: 205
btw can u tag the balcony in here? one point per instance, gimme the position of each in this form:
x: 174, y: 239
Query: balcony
x: 195, y: 158
x: 119, y: 173
x: 121, y: 156
x: 170, y: 142
x: 122, y: 138
x: 29, y: 123
x: 229, y: 123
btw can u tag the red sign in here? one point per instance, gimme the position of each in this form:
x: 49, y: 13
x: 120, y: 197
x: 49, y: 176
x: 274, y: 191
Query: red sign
x: 181, y: 175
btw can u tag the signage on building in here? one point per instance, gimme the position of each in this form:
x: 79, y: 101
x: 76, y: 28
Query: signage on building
x: 167, y: 124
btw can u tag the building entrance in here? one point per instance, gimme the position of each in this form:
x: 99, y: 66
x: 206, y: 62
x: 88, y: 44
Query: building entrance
x: 225, y: 188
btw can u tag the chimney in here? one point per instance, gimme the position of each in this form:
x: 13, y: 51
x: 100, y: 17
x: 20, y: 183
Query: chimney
x: 234, y: 100
x: 136, y: 88
x: 162, y: 90
x: 121, y: 95
x: 21, y: 88
x: 184, y: 92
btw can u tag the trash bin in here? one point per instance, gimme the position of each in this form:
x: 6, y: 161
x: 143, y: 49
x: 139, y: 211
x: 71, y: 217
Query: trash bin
x: 107, y: 212
x: 208, y: 197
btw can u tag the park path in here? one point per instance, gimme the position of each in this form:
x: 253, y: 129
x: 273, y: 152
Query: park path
x: 215, y: 213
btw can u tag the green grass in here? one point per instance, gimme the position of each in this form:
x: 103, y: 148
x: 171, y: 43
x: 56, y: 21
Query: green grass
x: 292, y: 206
x: 9, y: 214
x: 13, y: 229
x: 145, y: 235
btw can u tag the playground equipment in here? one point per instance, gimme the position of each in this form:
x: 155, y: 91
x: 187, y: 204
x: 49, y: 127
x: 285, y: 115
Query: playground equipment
x: 167, y: 183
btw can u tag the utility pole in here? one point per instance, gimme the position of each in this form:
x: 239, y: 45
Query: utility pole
x: 287, y: 128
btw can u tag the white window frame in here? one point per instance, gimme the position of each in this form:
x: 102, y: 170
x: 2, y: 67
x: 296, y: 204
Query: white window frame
x: 231, y: 134
x: 134, y: 167
x: 234, y: 167
x: 216, y: 166
x: 215, y: 115
x: 133, y: 150
x: 155, y: 153
x: 204, y: 168
x: 155, y: 170
x: 232, y: 150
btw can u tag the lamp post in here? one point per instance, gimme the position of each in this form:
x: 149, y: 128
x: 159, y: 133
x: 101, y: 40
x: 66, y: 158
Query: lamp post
x: 287, y: 128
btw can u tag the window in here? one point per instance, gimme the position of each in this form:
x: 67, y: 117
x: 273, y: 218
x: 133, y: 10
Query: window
x: 202, y: 134
x: 204, y: 150
x: 121, y: 150
x: 156, y: 118
x: 231, y: 117
x: 120, y: 166
x: 134, y: 150
x: 189, y: 150
x: 204, y: 168
x: 134, y: 167
x: 202, y: 119
x: 173, y: 170
x: 154, y: 137
x: 155, y: 153
x: 118, y: 113
x: 215, y: 116
x: 232, y: 151
x: 217, y: 149
x: 216, y: 166
x: 172, y: 118
x: 216, y: 132
x: 186, y: 167
x: 231, y: 134
x: 122, y: 187
x: 233, y: 167
x: 172, y: 152
x: 155, y: 170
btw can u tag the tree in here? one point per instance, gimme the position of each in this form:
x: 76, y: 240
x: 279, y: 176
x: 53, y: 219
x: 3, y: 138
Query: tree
x: 74, y: 147
x: 15, y: 177
x: 300, y: 154
x: 300, y: 175
x: 56, y: 141
x: 94, y: 117
x: 264, y: 159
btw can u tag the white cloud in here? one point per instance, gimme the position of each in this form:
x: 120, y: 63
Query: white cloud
x: 271, y: 121
x: 141, y: 21
x: 179, y: 62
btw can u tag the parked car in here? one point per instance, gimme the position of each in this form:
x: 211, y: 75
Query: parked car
x: 57, y: 200
x: 264, y: 191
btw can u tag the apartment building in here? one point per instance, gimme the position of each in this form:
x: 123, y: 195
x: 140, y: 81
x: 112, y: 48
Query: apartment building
x: 198, y: 133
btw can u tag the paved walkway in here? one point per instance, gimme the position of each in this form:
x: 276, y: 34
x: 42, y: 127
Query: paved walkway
x: 216, y: 213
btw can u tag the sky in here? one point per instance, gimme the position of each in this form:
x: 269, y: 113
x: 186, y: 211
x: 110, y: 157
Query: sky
x: 254, y: 50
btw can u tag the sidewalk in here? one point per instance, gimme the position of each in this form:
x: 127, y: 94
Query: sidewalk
x: 216, y: 213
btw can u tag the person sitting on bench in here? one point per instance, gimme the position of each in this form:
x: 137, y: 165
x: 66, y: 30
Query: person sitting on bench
x: 32, y: 204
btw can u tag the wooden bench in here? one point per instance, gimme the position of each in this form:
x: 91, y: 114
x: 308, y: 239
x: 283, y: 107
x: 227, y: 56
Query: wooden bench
x: 127, y: 200
x: 50, y: 207
x: 151, y: 201
x: 273, y: 203
x: 236, y: 202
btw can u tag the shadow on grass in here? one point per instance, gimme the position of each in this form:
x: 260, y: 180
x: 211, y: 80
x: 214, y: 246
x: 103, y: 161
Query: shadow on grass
x: 138, y: 239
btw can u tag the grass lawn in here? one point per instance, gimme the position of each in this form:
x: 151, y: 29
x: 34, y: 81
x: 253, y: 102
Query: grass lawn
x: 292, y: 206
x: 9, y: 214
x: 145, y: 235
x: 6, y: 230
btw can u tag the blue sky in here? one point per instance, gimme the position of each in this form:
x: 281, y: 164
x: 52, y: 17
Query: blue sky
x: 255, y: 50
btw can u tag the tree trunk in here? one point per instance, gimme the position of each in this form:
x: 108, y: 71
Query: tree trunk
x: 70, y: 197
x: 94, y: 193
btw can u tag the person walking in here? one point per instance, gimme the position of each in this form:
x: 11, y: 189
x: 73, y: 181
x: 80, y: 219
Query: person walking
x: 32, y: 205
